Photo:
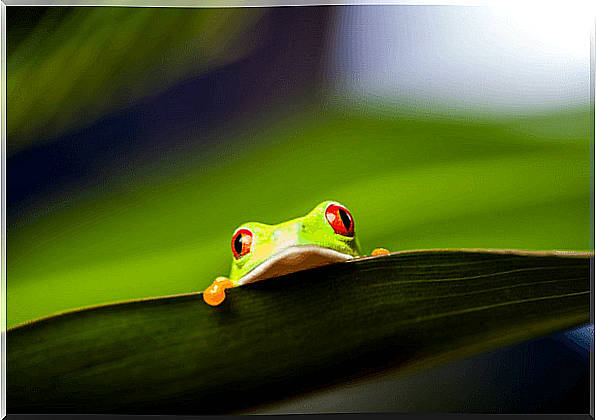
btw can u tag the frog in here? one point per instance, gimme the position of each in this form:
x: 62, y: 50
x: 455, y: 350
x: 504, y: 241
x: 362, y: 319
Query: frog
x: 260, y: 251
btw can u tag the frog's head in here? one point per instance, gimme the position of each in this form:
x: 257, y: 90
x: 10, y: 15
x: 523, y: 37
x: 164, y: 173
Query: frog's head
x: 323, y: 236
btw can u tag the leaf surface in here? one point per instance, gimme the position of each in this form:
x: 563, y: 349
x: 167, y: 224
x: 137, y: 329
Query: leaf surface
x: 299, y: 333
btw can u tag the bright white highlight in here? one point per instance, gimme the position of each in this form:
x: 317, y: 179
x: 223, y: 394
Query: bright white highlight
x: 462, y: 60
x: 557, y: 28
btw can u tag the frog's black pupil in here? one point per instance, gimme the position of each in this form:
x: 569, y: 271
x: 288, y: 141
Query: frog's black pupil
x: 238, y: 244
x: 345, y: 218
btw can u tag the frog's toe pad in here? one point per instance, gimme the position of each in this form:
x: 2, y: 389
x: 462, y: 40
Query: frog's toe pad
x: 215, y: 294
x: 380, y: 251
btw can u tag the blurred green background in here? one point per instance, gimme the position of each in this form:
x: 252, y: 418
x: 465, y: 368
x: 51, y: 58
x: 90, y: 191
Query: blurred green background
x: 139, y: 139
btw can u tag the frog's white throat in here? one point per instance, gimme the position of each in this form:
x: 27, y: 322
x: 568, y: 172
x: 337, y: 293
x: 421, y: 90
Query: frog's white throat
x: 294, y: 258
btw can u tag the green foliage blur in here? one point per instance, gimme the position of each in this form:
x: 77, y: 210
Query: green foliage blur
x: 411, y: 181
x: 77, y: 63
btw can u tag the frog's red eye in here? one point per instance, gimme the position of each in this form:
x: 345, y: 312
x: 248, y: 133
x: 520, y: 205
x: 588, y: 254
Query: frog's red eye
x: 340, y: 219
x: 241, y: 242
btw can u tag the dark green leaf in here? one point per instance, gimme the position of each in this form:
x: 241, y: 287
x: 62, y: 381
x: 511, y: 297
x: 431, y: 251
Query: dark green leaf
x: 282, y: 337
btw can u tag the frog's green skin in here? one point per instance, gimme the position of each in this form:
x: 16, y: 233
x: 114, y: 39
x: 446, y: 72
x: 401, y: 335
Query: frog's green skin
x: 298, y: 244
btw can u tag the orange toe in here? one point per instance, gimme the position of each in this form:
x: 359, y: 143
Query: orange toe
x: 380, y: 251
x: 223, y: 282
x: 214, y: 294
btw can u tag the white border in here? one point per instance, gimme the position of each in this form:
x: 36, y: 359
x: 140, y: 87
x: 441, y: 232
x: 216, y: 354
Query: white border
x: 274, y: 3
x: 242, y: 3
x: 593, y: 101
x: 3, y: 210
x: 207, y: 3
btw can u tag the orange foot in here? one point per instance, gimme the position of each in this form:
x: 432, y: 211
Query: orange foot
x: 380, y: 251
x: 216, y: 293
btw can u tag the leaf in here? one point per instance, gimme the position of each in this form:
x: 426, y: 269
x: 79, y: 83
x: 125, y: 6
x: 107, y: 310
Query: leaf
x: 282, y: 337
